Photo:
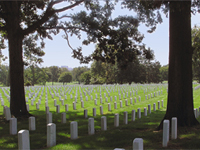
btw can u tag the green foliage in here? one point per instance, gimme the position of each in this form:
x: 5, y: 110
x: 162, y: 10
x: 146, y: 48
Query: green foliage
x: 164, y: 72
x: 85, y: 77
x: 4, y: 75
x: 138, y: 71
x: 55, y: 73
x: 76, y: 73
x: 65, y: 77
x: 35, y: 75
x: 196, y: 53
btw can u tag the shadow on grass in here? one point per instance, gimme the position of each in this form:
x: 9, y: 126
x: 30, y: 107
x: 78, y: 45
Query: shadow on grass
x: 114, y: 137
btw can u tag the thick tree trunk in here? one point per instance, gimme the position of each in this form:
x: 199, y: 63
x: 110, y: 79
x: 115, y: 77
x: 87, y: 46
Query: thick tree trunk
x: 180, y: 93
x: 15, y: 37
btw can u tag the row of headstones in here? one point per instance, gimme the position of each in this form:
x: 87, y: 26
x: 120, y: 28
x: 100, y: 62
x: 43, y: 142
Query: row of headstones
x: 82, y: 102
x: 94, y: 109
x: 24, y: 143
x: 23, y: 135
x: 7, y: 113
x: 37, y: 92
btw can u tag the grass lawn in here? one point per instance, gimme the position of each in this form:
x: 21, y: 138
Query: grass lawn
x: 114, y: 137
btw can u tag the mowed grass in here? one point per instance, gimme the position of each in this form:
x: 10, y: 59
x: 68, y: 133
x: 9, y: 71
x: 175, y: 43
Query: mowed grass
x: 114, y: 137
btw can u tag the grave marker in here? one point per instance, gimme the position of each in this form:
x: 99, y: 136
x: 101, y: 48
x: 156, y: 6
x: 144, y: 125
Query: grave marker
x: 165, y: 133
x: 91, y: 130
x: 31, y: 123
x: 133, y: 115
x: 139, y: 113
x: 116, y: 120
x: 13, y: 126
x: 51, y: 135
x: 74, y: 130
x: 125, y: 117
x: 63, y: 117
x: 174, y: 128
x: 94, y: 112
x: 138, y: 144
x: 23, y: 140
x: 103, y: 123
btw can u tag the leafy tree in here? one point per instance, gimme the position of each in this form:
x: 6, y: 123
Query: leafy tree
x: 180, y: 53
x: 77, y: 71
x: 40, y: 76
x: 44, y: 18
x: 196, y: 53
x: 55, y: 73
x: 85, y: 77
x: 63, y: 70
x: 32, y: 54
x: 65, y: 77
x: 164, y: 73
x: 4, y: 75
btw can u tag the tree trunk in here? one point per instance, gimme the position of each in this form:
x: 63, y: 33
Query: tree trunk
x: 15, y: 37
x: 180, y: 93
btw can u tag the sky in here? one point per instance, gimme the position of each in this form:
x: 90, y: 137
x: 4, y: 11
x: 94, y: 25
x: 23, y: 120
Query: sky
x: 58, y: 53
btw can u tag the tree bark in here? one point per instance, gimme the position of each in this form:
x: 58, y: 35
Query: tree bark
x: 180, y: 92
x: 15, y: 37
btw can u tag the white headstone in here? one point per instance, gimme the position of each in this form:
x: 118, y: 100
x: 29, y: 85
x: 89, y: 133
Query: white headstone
x: 109, y: 107
x: 74, y: 105
x: 174, y: 128
x: 138, y: 113
x: 91, y: 130
x: 115, y: 105
x: 94, y: 112
x: 154, y: 106
x: 55, y: 102
x: 13, y: 126
x: 57, y: 108
x: 158, y: 104
x: 95, y: 102
x: 85, y: 113
x: 138, y: 144
x: 47, y: 109
x: 133, y: 115
x: 131, y: 101
x: 165, y: 133
x: 32, y: 123
x: 62, y: 101
x: 74, y: 130
x: 49, y: 118
x: 103, y: 123
x: 23, y: 140
x: 82, y: 104
x: 145, y: 111
x: 7, y: 113
x: 116, y: 121
x: 125, y: 117
x: 101, y: 110
x: 126, y: 102
x: 120, y: 103
x: 63, y: 117
x: 51, y: 135
x: 66, y: 107
x: 149, y: 108
x: 162, y: 104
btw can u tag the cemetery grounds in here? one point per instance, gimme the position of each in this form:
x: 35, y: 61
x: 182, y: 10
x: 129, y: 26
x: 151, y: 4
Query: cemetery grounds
x: 115, y: 137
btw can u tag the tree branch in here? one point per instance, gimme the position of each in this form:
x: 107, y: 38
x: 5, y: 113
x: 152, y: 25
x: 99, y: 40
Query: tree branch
x: 69, y: 7
x: 48, y: 13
